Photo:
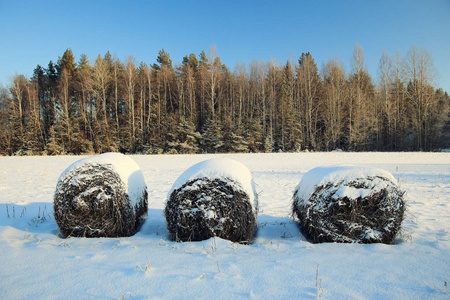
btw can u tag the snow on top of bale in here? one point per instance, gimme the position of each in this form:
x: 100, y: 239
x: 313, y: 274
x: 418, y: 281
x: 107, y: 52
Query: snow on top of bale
x: 343, y: 174
x: 220, y: 168
x: 127, y: 169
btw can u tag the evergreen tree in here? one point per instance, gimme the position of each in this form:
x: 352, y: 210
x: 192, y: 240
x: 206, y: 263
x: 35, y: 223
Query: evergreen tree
x: 67, y: 61
x: 234, y: 140
x: 164, y: 59
x: 185, y: 140
x: 203, y: 58
x: 268, y: 145
x: 51, y: 90
x: 253, y: 135
x: 193, y: 62
x: 9, y: 128
x: 237, y: 143
x: 110, y: 106
x: 212, y: 137
x: 54, y: 143
x: 286, y: 113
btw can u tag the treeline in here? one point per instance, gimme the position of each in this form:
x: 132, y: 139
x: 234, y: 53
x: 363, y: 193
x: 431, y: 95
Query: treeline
x: 202, y: 106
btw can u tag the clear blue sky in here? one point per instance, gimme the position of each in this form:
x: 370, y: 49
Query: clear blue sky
x: 35, y: 32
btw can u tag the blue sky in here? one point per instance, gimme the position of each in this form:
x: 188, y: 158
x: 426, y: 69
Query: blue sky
x: 35, y: 32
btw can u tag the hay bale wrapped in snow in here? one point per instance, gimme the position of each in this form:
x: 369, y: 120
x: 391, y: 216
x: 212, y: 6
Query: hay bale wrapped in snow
x: 349, y: 205
x: 101, y: 196
x: 213, y: 198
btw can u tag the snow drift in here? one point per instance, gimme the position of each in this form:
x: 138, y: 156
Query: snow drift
x: 213, y: 198
x: 349, y: 204
x: 101, y: 196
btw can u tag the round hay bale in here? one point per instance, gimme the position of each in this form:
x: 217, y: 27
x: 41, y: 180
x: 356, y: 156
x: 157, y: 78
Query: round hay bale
x: 349, y: 205
x: 213, y: 198
x: 101, y: 196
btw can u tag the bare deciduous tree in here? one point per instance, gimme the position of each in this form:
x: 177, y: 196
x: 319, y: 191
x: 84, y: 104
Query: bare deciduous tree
x: 420, y: 73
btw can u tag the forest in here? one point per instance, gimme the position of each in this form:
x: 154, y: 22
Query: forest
x: 202, y: 106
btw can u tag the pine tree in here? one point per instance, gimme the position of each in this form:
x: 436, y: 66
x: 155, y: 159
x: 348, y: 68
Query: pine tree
x: 164, y: 59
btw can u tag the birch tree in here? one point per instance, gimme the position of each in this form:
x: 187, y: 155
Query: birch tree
x: 420, y: 73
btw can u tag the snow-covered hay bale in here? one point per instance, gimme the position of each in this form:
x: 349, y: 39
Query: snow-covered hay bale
x: 101, y: 196
x: 349, y: 205
x: 213, y: 198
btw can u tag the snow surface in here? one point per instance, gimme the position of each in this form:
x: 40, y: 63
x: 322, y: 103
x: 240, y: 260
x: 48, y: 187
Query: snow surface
x: 343, y: 174
x: 125, y: 167
x: 37, y: 264
x: 221, y: 168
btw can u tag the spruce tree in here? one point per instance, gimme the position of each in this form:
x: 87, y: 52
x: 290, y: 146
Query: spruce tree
x: 212, y: 137
x: 67, y: 61
x: 268, y: 145
x: 54, y: 143
x: 184, y: 140
x: 237, y: 143
x: 253, y: 135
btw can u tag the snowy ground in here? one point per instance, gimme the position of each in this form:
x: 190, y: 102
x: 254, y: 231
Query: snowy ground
x: 37, y: 264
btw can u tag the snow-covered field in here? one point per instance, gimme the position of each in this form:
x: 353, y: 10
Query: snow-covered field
x: 36, y: 263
